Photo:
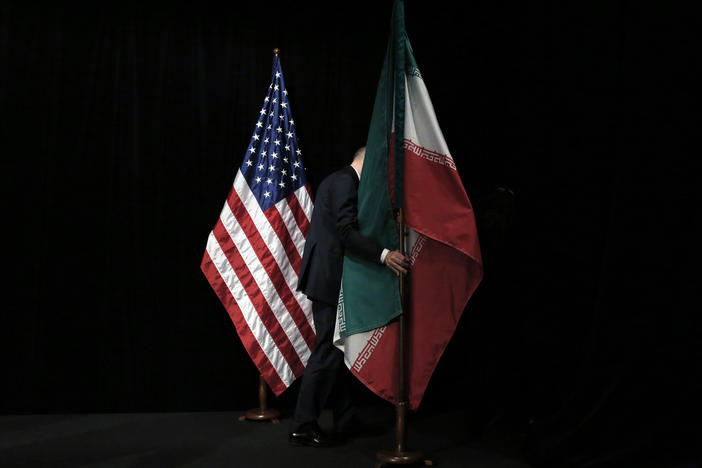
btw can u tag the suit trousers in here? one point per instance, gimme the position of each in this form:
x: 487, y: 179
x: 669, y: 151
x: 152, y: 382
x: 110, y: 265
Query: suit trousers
x: 323, y: 380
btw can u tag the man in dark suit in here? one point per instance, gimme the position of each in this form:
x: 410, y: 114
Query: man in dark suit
x: 334, y: 230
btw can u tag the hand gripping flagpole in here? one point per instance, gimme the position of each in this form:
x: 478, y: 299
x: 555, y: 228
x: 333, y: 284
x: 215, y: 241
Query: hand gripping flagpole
x: 400, y: 455
x: 262, y: 413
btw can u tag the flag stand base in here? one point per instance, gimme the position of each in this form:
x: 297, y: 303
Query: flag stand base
x: 400, y: 455
x: 394, y: 457
x: 258, y: 414
x: 262, y: 413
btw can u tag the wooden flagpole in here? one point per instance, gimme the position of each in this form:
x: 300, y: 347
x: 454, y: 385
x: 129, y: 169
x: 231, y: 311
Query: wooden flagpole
x: 262, y: 413
x: 400, y: 455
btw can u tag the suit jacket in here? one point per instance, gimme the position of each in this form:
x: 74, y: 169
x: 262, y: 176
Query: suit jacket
x: 333, y: 231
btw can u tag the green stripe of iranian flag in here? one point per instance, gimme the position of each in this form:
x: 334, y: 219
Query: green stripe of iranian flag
x: 372, y: 298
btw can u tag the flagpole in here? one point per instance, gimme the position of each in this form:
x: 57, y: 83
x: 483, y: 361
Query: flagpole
x: 262, y: 413
x: 400, y: 455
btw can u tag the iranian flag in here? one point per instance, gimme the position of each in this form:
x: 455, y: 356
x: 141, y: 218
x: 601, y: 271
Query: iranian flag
x: 407, y: 166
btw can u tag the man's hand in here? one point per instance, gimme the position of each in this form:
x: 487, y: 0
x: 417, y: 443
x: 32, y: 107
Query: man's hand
x: 397, y: 262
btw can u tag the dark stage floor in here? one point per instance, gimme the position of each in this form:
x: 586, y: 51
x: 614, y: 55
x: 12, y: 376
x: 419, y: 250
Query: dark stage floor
x: 210, y: 439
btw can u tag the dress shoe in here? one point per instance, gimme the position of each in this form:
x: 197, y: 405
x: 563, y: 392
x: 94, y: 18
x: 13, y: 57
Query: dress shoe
x: 310, y: 435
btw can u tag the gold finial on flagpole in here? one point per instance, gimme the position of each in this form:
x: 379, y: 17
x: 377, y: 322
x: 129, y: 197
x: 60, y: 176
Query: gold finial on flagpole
x: 276, y: 51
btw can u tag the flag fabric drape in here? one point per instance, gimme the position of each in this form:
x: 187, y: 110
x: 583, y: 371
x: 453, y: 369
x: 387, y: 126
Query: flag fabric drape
x: 407, y: 165
x: 254, y: 251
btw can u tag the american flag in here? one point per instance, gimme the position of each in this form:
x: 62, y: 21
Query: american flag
x: 254, y: 252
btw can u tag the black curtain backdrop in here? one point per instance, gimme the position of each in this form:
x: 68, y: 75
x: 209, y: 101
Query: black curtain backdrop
x: 122, y: 127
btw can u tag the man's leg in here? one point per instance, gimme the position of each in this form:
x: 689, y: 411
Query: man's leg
x: 322, y: 368
x: 343, y: 410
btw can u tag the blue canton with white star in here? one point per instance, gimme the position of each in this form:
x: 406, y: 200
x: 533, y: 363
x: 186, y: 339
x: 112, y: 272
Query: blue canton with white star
x: 273, y: 163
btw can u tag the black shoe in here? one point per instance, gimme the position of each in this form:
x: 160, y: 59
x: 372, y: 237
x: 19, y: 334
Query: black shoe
x: 310, y: 435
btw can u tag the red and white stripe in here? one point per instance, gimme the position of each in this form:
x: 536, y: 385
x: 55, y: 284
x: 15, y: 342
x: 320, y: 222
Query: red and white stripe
x: 252, y: 261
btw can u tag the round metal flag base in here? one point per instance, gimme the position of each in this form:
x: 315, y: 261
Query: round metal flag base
x: 258, y: 414
x: 392, y: 457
